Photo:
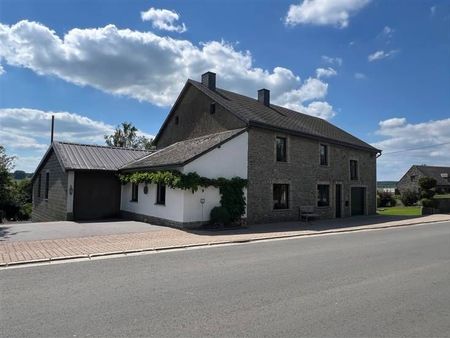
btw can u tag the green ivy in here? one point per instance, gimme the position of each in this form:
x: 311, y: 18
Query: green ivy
x: 231, y: 190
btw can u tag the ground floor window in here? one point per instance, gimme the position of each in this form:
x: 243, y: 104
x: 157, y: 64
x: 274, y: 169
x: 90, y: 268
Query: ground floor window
x: 281, y: 196
x: 134, y: 192
x: 161, y: 194
x: 323, y: 195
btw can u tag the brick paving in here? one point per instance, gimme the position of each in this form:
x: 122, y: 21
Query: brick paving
x: 54, y: 249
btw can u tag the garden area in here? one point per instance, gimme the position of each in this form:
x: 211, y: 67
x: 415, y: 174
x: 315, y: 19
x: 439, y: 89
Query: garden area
x: 412, y: 203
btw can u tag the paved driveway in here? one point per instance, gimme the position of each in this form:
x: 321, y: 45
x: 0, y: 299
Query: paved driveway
x: 54, y: 230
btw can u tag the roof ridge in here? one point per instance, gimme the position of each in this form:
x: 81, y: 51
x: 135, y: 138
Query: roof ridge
x: 99, y: 146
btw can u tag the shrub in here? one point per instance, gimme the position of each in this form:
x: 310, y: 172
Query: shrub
x: 427, y: 194
x: 427, y: 183
x: 409, y: 198
x: 386, y: 199
x: 428, y: 203
x: 220, y: 215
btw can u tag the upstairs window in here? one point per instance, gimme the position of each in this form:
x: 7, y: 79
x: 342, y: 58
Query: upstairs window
x: 281, y: 196
x: 47, y: 184
x: 39, y: 185
x: 212, y: 108
x: 134, y: 192
x: 413, y: 178
x: 281, y: 149
x: 323, y: 195
x: 323, y: 154
x: 177, y: 120
x: 161, y: 194
x: 353, y: 170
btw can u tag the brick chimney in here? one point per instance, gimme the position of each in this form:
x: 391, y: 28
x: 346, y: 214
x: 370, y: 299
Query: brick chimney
x: 209, y: 80
x: 264, y: 97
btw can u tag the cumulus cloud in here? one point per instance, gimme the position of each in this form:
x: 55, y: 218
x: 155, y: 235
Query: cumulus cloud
x: 381, y: 54
x: 325, y: 72
x: 324, y: 12
x: 2, y: 70
x: 423, y: 142
x: 332, y: 60
x: 144, y: 65
x: 163, y: 19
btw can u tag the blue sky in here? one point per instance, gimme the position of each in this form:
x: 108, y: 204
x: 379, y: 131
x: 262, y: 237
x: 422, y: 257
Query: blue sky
x: 378, y: 69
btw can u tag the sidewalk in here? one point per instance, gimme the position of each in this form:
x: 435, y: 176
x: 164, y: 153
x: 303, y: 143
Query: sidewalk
x: 20, y: 252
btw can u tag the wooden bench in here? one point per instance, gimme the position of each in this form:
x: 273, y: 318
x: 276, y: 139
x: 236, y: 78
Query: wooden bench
x: 307, y: 212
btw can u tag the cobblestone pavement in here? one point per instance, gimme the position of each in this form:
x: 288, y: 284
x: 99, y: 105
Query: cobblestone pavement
x: 54, y: 249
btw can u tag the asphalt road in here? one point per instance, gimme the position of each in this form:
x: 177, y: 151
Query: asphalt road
x: 393, y: 282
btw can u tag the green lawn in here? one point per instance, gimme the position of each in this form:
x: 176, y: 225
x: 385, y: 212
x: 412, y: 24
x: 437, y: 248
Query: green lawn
x: 442, y: 196
x: 401, y: 211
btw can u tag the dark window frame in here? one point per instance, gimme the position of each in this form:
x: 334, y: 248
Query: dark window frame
x: 134, y: 192
x: 281, y: 153
x: 39, y: 185
x: 323, y: 201
x: 160, y: 194
x: 323, y: 158
x: 212, y: 108
x: 354, y: 170
x: 47, y: 184
x: 277, y: 200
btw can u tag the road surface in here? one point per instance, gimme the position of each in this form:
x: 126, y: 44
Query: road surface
x: 392, y: 282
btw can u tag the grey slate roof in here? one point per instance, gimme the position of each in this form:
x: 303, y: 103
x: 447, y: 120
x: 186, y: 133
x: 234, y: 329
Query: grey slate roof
x: 93, y: 157
x: 436, y: 172
x: 180, y: 153
x: 252, y: 112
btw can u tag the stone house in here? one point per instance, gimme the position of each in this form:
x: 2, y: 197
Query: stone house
x: 410, y: 180
x: 289, y: 159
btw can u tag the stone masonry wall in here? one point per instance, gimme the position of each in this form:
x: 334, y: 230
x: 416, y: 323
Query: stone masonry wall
x: 408, y: 183
x: 194, y: 119
x: 303, y: 172
x: 55, y: 208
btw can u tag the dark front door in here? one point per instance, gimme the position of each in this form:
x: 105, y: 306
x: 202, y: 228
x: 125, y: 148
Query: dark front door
x: 338, y: 201
x: 358, y: 201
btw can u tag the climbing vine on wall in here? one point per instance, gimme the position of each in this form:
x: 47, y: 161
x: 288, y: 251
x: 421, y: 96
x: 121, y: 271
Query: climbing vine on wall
x: 231, y: 190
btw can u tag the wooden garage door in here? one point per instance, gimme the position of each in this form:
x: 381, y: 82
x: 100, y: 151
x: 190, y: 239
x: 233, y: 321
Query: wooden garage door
x: 358, y: 201
x: 96, y: 195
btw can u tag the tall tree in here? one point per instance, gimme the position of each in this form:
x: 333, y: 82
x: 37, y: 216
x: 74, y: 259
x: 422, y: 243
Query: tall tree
x: 125, y: 135
x: 6, y: 165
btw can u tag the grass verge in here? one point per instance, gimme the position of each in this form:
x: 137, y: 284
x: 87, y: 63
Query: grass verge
x: 401, y: 211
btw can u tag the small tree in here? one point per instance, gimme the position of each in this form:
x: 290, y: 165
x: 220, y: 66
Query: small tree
x: 409, y: 197
x: 427, y: 192
x: 6, y: 166
x: 126, y: 135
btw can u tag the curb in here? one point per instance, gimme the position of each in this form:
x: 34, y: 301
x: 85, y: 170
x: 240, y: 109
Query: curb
x: 205, y: 244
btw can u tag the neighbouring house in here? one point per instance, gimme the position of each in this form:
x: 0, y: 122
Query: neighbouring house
x: 387, y: 186
x: 289, y: 159
x: 410, y: 180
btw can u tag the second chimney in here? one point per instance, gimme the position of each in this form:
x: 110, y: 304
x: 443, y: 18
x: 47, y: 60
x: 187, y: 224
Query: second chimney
x: 264, y: 97
x: 209, y: 80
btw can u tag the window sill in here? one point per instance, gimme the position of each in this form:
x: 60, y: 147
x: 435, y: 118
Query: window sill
x: 280, y: 210
x: 132, y: 201
x: 161, y: 204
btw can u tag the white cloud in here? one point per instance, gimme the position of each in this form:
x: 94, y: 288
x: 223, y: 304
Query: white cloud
x: 381, y: 54
x: 2, y: 70
x: 325, y: 72
x: 332, y: 60
x: 163, y: 19
x: 143, y: 65
x: 360, y: 76
x: 399, y: 135
x: 27, y: 131
x: 324, y: 12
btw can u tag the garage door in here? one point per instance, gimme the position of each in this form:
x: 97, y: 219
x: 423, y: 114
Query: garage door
x: 358, y: 201
x: 96, y: 195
